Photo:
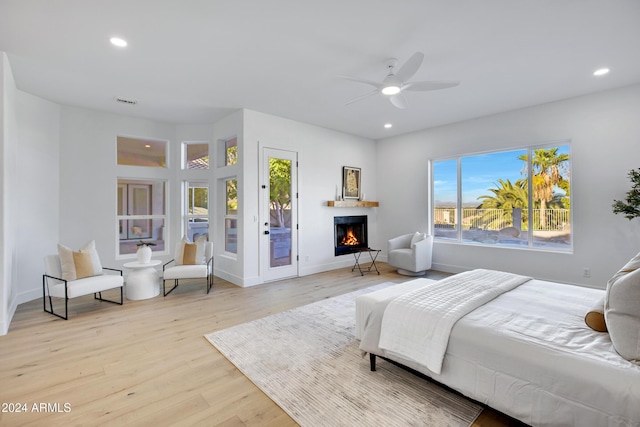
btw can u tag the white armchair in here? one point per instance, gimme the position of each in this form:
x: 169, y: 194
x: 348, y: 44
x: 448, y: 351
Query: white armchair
x: 72, y: 274
x: 200, y: 267
x: 410, y: 253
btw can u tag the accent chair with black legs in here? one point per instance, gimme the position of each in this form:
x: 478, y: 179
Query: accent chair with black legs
x: 192, y: 261
x: 73, y: 274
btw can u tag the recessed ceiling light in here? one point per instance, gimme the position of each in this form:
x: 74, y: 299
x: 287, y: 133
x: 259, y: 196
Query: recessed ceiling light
x: 117, y: 41
x: 601, y: 72
x: 147, y: 145
x: 388, y: 126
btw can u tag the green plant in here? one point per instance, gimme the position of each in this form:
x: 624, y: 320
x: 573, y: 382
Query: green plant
x: 630, y: 209
x: 143, y: 243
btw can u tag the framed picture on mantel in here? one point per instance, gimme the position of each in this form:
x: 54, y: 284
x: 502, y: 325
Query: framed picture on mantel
x: 351, y: 182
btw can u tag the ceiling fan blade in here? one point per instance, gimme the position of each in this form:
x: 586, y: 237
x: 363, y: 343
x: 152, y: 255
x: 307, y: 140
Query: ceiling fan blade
x: 399, y: 101
x: 361, y: 97
x: 359, y: 80
x: 410, y: 67
x: 430, y: 85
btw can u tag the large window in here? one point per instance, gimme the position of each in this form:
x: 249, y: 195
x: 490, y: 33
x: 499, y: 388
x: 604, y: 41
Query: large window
x: 141, y: 214
x: 517, y: 198
x: 197, y: 210
x: 231, y: 216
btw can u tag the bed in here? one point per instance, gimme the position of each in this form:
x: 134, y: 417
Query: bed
x: 526, y: 352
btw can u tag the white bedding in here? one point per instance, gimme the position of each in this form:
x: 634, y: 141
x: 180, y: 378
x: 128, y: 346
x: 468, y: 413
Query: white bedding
x: 529, y: 354
x: 416, y: 325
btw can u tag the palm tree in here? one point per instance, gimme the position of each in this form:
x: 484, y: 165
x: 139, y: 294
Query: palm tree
x: 507, y: 197
x: 548, y: 168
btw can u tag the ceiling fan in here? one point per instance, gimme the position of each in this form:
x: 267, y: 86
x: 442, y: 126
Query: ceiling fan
x: 397, y: 82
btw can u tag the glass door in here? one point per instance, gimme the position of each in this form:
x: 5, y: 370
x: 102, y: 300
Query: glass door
x: 279, y: 215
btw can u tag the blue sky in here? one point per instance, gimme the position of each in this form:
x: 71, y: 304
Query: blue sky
x: 479, y: 173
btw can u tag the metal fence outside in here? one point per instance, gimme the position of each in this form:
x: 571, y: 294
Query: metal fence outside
x: 497, y: 219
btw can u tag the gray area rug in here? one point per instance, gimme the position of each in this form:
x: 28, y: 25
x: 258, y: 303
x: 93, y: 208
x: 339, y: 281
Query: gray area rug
x: 308, y: 362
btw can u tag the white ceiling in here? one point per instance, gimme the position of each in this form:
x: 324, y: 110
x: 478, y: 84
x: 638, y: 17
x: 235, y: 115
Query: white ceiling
x: 195, y: 61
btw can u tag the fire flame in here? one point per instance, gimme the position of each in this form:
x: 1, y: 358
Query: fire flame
x: 350, y: 239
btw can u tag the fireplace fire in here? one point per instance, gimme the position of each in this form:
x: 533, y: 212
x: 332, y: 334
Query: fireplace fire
x: 350, y: 233
x: 350, y: 239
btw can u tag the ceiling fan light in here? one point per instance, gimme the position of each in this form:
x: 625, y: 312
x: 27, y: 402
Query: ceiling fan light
x: 117, y: 41
x: 391, y: 90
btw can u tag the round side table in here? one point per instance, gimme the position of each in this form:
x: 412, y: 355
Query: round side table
x: 142, y: 281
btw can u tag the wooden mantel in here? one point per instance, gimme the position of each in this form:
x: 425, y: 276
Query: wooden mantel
x: 352, y: 204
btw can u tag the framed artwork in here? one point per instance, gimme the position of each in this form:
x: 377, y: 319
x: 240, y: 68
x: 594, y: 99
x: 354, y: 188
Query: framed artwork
x: 350, y: 182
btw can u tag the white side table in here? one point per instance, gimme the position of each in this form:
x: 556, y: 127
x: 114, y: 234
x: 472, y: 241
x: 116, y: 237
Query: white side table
x: 142, y: 281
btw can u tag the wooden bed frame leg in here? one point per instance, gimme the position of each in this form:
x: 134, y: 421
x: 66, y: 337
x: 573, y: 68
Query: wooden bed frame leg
x: 372, y: 361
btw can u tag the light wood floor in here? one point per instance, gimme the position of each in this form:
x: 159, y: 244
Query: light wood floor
x: 147, y: 362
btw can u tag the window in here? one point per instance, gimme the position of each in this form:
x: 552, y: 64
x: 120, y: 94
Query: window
x: 231, y: 151
x: 142, y: 152
x: 196, y: 155
x: 231, y: 216
x: 516, y: 198
x: 197, y: 210
x: 141, y: 214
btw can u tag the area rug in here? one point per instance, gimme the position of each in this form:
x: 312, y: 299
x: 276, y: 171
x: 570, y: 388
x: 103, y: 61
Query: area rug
x: 308, y: 362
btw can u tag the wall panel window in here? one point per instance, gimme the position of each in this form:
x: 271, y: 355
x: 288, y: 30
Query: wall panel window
x: 141, y: 214
x: 141, y: 152
x: 231, y: 151
x: 195, y: 155
x: 515, y: 198
x: 231, y: 216
x: 197, y: 209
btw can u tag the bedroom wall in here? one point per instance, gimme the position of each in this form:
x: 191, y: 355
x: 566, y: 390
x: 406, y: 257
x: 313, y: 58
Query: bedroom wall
x: 228, y: 266
x: 604, y: 131
x: 8, y: 143
x: 321, y: 154
x: 88, y: 171
x: 37, y: 198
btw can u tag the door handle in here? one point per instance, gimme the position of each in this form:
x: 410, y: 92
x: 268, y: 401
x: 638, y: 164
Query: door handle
x: 266, y: 232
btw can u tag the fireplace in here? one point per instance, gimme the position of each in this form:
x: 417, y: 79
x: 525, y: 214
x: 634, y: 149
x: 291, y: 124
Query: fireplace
x: 350, y: 233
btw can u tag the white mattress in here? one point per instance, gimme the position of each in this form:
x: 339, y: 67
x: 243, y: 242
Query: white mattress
x: 529, y: 354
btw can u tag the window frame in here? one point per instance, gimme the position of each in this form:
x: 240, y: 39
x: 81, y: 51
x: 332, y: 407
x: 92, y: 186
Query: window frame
x: 187, y: 214
x: 138, y: 181
x: 531, y: 242
x: 229, y: 218
x: 228, y: 148
x: 185, y: 156
x: 135, y: 147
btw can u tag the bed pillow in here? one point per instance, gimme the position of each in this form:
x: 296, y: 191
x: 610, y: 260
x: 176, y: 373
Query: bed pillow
x: 632, y: 265
x: 622, y: 310
x: 80, y: 264
x: 595, y: 317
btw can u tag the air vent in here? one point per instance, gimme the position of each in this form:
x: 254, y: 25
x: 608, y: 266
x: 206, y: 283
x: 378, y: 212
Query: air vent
x: 127, y: 101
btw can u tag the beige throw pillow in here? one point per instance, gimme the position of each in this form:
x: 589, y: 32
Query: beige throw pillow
x: 595, y: 317
x: 189, y: 256
x: 198, y: 258
x: 80, y: 264
x: 622, y: 310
